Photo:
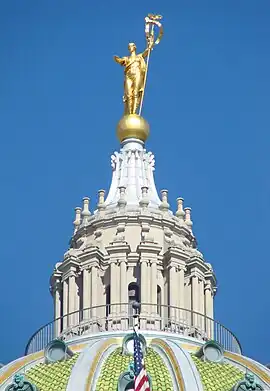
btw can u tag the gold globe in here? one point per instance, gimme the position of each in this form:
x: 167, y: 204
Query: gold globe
x: 132, y: 126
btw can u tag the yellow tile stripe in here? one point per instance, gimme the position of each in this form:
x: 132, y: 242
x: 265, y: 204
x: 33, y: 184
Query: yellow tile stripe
x: 253, y: 368
x: 173, y: 361
x: 15, y: 367
x: 20, y: 364
x: 93, y: 368
x: 239, y: 359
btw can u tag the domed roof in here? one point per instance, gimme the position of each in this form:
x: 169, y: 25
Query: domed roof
x: 102, y: 362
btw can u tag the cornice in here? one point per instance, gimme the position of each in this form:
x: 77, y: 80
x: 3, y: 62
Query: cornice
x: 154, y: 219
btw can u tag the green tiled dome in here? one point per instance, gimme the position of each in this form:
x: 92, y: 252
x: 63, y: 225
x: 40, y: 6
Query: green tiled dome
x: 117, y: 363
x: 52, y: 377
x: 217, y: 377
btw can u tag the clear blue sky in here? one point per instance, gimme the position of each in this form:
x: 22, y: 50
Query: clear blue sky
x: 207, y: 102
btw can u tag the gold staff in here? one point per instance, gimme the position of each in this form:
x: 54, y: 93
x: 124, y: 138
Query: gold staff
x: 152, y: 20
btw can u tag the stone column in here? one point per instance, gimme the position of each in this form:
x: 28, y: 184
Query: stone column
x: 57, y: 308
x: 144, y: 281
x: 177, y: 259
x: 65, y: 303
x: 201, y: 305
x: 123, y: 294
x: 114, y: 286
x: 209, y: 310
x: 72, y: 292
x: 148, y: 251
x: 123, y: 286
x: 195, y: 298
x: 181, y: 293
x: 173, y: 286
x: 153, y: 267
x: 94, y: 291
x: 86, y: 294
x: 118, y: 252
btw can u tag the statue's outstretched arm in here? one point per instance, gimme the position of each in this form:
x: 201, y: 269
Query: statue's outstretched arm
x: 120, y: 60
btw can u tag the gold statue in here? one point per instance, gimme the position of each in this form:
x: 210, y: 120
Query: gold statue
x: 136, y: 67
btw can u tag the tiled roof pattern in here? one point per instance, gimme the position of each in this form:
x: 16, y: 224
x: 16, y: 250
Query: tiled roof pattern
x: 117, y: 363
x: 217, y: 377
x: 52, y: 377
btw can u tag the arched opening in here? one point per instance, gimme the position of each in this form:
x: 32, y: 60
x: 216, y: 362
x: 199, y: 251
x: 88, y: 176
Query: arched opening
x: 79, y: 281
x: 159, y: 300
x: 133, y: 296
x: 108, y: 299
x: 61, y: 310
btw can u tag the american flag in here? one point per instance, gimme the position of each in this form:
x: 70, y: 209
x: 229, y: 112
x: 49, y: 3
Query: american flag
x: 141, y: 378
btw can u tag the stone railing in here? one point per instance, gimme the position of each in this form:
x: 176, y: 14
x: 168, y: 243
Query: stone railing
x: 124, y: 316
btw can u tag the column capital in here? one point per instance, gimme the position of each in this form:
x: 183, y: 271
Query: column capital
x: 91, y: 253
x: 150, y: 250
x: 56, y: 285
x: 208, y: 286
x: 133, y: 258
x: 69, y: 274
x: 118, y: 251
x: 181, y: 267
x: 177, y: 257
x: 70, y: 265
x: 122, y: 260
x: 197, y: 264
x: 172, y: 265
x: 196, y: 272
x: 177, y: 253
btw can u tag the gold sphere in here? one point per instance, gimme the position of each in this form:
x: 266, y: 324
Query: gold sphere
x: 132, y: 126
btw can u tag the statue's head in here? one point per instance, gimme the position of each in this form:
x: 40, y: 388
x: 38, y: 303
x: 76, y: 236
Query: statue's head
x: 250, y: 377
x: 132, y: 47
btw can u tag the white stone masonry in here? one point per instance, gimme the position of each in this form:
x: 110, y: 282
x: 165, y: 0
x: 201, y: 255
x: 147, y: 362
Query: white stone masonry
x: 132, y: 169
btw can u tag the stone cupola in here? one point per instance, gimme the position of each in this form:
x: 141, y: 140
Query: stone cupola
x: 133, y: 248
